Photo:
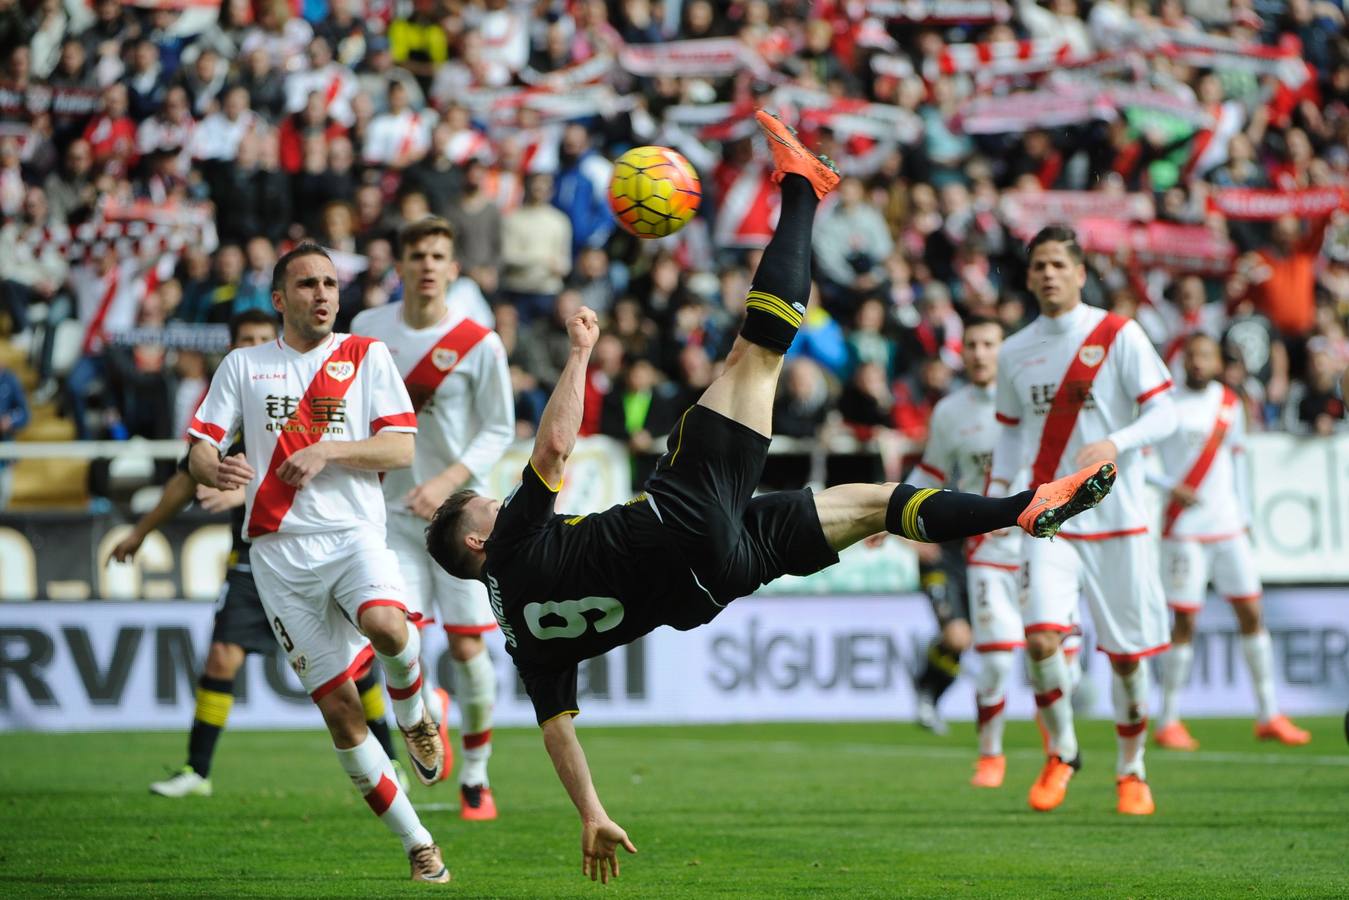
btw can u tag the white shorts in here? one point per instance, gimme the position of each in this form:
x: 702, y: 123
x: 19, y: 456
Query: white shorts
x: 459, y: 605
x: 314, y: 588
x: 994, y: 614
x: 1119, y: 578
x: 1189, y: 566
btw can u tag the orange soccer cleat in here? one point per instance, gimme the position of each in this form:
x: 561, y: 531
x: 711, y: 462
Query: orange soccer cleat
x: 1175, y: 737
x: 1052, y: 785
x: 1055, y: 502
x: 790, y: 155
x: 1282, y: 730
x: 476, y: 803
x: 443, y: 723
x: 1135, y: 797
x: 989, y: 771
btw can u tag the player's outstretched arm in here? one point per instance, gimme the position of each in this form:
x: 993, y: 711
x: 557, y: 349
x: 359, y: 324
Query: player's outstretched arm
x: 562, y: 416
x: 178, y: 492
x: 600, y: 836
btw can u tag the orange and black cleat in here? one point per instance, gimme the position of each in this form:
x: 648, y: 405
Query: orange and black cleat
x: 1052, y: 785
x: 1281, y: 729
x: 1135, y: 797
x: 790, y: 155
x: 1055, y: 502
x: 1175, y: 736
x: 476, y: 803
x: 989, y: 771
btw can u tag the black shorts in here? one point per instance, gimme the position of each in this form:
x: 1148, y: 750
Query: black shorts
x: 703, y: 490
x: 240, y: 618
x: 944, y: 583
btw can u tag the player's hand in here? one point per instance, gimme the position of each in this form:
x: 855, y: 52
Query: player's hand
x: 426, y: 498
x: 1096, y: 451
x: 600, y: 841
x: 234, y: 472
x: 214, y: 501
x: 125, y: 551
x: 301, y: 466
x: 928, y: 554
x: 583, y: 329
x: 1184, y: 496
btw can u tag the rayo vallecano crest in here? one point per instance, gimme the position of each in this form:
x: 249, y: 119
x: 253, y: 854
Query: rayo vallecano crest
x: 444, y: 358
x: 340, y: 370
x: 1091, y: 355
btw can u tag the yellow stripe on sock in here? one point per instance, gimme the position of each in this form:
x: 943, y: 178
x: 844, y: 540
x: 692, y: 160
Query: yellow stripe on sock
x: 774, y: 305
x: 909, y: 518
x: 213, y: 707
x: 942, y: 661
x: 372, y: 699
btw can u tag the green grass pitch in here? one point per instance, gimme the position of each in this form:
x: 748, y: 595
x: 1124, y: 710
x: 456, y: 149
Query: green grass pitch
x: 876, y: 810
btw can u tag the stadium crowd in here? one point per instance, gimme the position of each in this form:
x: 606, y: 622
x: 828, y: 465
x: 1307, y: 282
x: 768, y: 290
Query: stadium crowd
x: 156, y: 158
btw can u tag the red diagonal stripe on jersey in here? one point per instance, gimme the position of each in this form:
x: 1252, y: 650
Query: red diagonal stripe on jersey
x: 274, y: 497
x: 1069, y: 398
x: 441, y: 360
x: 1204, y: 461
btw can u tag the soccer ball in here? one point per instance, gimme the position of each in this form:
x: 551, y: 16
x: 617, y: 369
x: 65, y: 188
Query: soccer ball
x: 654, y: 192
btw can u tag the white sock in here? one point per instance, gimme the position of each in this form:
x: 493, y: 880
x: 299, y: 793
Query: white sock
x: 373, y: 775
x: 403, y: 674
x: 1259, y: 653
x: 1175, y: 675
x: 990, y: 694
x: 1050, y: 679
x: 1130, y: 693
x: 475, y: 683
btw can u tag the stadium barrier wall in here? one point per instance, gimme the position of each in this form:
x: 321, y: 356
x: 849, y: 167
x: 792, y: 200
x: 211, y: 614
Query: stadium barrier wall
x: 1299, y: 491
x: 120, y: 665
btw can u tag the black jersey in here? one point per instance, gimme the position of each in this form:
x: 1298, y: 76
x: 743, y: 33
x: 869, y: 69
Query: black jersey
x: 239, y: 549
x: 568, y: 588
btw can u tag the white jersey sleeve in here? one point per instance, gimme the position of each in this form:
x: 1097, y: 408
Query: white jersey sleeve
x: 937, y: 466
x: 220, y: 414
x: 494, y: 405
x: 1007, y: 448
x: 1145, y: 378
x: 390, y: 407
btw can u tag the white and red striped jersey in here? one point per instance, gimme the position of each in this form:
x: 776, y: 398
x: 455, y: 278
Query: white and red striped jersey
x: 460, y: 385
x: 1108, y: 379
x: 345, y: 389
x: 1207, y: 447
x: 961, y: 437
x: 398, y: 138
x: 334, y: 82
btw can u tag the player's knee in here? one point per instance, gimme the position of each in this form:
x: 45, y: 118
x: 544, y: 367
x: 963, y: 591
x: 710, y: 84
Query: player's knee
x: 1248, y: 616
x: 956, y: 636
x: 464, y: 647
x: 1042, y: 644
x: 387, y: 628
x: 223, y: 660
x: 1182, y: 627
x: 1124, y: 667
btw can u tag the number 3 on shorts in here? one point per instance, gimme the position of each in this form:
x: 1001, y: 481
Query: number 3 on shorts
x: 572, y: 612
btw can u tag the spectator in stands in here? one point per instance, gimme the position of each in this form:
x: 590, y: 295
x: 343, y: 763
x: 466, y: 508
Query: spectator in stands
x: 229, y: 274
x: 112, y: 133
x: 803, y: 403
x: 381, y: 73
x: 218, y: 135
x: 594, y: 279
x: 265, y: 83
x: 112, y: 29
x: 333, y: 82
x: 205, y: 80
x: 1283, y: 277
x: 536, y: 247
x: 642, y: 408
x: 436, y: 175
x: 604, y: 374
x: 867, y: 342
x: 915, y: 397
x: 71, y: 193
x: 255, y: 288
x: 34, y: 270
x: 505, y: 36
x: 581, y: 189
x: 400, y: 137
x: 13, y: 419
x: 281, y: 36
x: 851, y: 246
x: 418, y: 43
x: 1315, y: 405
x: 637, y: 333
x: 146, y: 81
x: 345, y: 32
x: 820, y: 338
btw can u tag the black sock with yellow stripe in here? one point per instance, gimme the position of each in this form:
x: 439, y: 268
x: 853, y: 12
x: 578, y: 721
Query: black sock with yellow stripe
x: 933, y: 516
x: 776, y: 304
x: 940, y: 671
x: 215, y: 698
x: 376, y: 716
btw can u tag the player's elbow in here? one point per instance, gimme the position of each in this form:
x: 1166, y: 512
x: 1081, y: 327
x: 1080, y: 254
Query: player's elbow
x: 402, y: 448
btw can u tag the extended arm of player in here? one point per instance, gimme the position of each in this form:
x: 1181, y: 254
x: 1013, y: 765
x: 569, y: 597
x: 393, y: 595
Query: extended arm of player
x: 562, y: 416
x: 600, y: 836
x: 494, y: 403
x: 178, y: 493
x: 1156, y: 420
x: 380, y: 453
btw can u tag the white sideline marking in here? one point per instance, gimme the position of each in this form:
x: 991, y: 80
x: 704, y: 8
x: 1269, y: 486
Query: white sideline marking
x: 910, y: 751
x: 436, y: 807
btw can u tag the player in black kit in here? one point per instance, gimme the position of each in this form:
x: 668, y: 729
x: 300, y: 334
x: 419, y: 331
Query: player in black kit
x: 566, y: 589
x: 241, y: 625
